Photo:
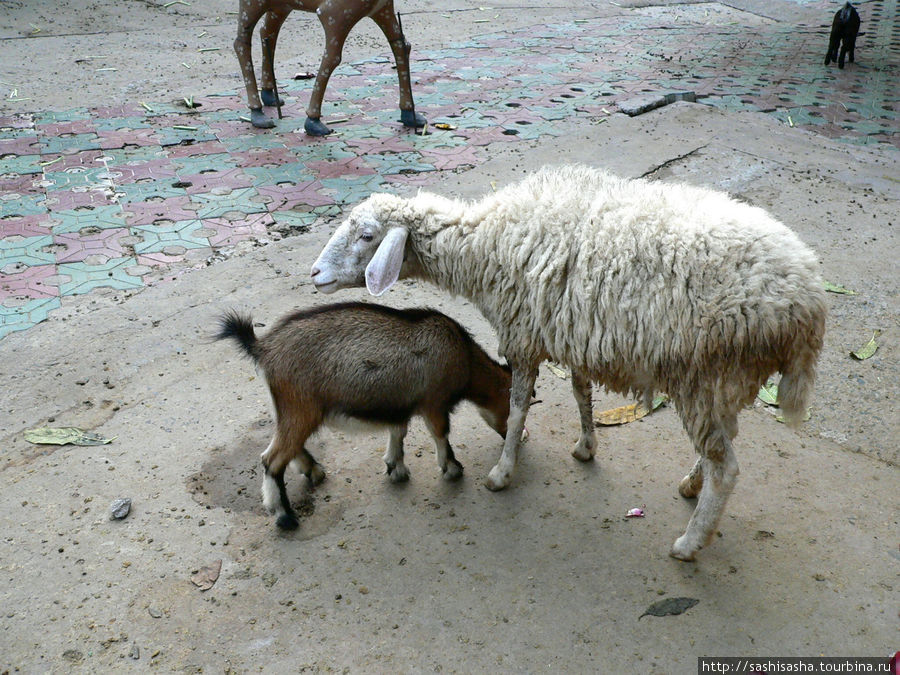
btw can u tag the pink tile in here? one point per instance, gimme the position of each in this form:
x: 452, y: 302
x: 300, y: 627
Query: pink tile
x: 289, y: 196
x: 26, y: 226
x: 144, y: 213
x: 80, y: 246
x: 29, y: 283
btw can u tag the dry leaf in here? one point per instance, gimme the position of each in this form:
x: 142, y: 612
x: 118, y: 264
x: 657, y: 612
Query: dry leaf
x: 627, y: 413
x: 206, y: 577
x: 64, y: 436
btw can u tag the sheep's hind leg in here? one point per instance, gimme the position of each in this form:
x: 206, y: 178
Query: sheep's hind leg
x: 719, y: 471
x: 393, y: 458
x: 690, y: 485
x: 586, y: 447
x: 519, y: 401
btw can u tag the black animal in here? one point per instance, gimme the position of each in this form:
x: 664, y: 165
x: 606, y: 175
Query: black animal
x: 844, y: 29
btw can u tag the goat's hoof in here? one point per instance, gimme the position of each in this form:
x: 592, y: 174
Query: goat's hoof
x: 259, y: 120
x: 316, y: 475
x: 454, y: 471
x: 287, y: 521
x: 313, y: 127
x: 267, y: 96
x: 689, y: 487
x: 682, y: 551
x: 410, y: 118
x: 399, y: 473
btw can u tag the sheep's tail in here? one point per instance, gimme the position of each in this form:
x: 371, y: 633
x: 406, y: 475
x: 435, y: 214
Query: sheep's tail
x: 798, y: 372
x: 239, y: 327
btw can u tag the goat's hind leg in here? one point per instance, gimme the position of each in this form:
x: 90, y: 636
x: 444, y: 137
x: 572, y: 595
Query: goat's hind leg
x: 717, y: 472
x: 393, y: 458
x: 586, y: 447
x: 274, y: 492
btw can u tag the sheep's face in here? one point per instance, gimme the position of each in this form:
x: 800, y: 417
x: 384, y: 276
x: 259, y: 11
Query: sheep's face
x: 366, y: 250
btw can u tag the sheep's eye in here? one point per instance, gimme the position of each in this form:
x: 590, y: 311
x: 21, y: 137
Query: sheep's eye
x: 367, y: 236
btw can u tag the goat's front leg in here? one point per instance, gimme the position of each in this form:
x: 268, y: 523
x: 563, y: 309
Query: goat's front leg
x: 268, y: 34
x: 438, y: 423
x: 389, y: 24
x: 393, y: 458
x: 249, y: 14
x: 586, y: 447
x: 523, y: 377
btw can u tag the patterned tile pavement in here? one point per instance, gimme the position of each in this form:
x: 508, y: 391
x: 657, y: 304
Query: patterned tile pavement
x: 126, y: 196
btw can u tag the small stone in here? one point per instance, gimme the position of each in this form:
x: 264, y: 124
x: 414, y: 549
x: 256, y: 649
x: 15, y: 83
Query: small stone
x: 120, y: 508
x: 73, y: 655
x: 135, y: 652
x: 155, y: 613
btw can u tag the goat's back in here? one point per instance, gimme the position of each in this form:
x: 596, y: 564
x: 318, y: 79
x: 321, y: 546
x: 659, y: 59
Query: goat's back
x: 368, y: 361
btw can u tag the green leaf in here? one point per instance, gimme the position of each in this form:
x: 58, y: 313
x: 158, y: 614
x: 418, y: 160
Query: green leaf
x: 837, y: 288
x: 768, y: 394
x: 669, y: 607
x: 868, y: 349
x: 64, y: 436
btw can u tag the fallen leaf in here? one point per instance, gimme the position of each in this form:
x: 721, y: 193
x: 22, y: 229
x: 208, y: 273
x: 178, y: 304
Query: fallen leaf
x: 206, y: 577
x: 556, y: 370
x: 635, y: 513
x: 868, y: 349
x: 669, y: 607
x: 444, y: 126
x: 627, y: 413
x: 837, y: 288
x: 768, y: 394
x: 304, y: 76
x: 64, y: 436
x: 780, y: 418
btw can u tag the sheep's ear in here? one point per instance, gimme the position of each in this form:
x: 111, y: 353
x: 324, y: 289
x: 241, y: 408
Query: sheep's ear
x: 383, y: 269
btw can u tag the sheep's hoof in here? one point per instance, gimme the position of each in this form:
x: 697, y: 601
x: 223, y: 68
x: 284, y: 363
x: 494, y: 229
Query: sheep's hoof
x: 690, y: 485
x: 287, y: 521
x: 313, y: 127
x: 583, y: 452
x: 267, y: 96
x: 259, y: 120
x: 410, y: 118
x: 454, y: 471
x: 681, y: 550
x: 496, y: 480
x: 398, y: 473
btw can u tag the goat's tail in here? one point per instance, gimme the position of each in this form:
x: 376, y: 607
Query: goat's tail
x: 798, y: 372
x: 239, y: 327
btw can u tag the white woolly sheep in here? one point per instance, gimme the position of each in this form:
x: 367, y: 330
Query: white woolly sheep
x: 635, y: 285
x: 355, y: 361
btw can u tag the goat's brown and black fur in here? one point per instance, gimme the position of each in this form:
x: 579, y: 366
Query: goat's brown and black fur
x: 370, y: 363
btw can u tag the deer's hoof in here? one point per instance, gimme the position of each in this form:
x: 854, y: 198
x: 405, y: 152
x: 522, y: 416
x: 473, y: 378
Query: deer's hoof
x: 314, y: 127
x: 410, y: 118
x: 267, y: 96
x: 259, y: 119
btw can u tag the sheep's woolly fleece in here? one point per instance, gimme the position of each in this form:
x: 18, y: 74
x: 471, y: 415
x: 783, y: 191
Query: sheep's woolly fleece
x: 641, y: 285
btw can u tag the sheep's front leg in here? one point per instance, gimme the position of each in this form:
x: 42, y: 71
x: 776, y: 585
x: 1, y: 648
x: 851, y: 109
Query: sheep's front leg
x: 586, y: 447
x: 519, y: 400
x: 393, y: 458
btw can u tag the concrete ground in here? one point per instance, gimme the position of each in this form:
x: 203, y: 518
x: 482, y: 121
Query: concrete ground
x: 112, y: 278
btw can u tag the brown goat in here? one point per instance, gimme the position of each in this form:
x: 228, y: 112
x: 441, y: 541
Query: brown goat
x: 368, y: 363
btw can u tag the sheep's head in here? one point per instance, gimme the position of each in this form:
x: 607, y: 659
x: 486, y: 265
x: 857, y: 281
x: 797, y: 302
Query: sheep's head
x: 367, y: 249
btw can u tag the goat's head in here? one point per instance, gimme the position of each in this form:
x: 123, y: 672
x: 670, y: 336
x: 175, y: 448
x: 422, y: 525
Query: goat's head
x: 367, y: 249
